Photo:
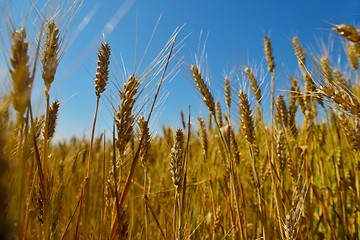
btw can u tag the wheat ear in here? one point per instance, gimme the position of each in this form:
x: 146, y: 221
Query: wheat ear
x: 20, y: 72
x: 102, y: 69
x: 203, y: 88
x: 53, y: 114
x: 176, y: 162
x: 50, y: 58
x: 299, y: 52
x: 203, y: 137
x: 227, y: 88
x: 282, y: 113
x: 271, y: 68
x: 247, y: 122
x: 124, y: 116
x: 347, y: 31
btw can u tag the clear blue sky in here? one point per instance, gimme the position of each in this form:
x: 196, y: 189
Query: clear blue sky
x: 234, y: 30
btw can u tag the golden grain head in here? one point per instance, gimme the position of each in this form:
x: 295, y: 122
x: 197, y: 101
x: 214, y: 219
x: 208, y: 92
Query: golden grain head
x: 254, y: 85
x: 340, y: 80
x: 53, y: 115
x: 50, y: 56
x: 144, y: 134
x: 282, y: 112
x: 281, y: 151
x: 124, y: 117
x: 269, y: 54
x: 352, y: 56
x: 203, y: 136
x: 234, y: 148
x: 299, y: 52
x: 326, y: 69
x: 347, y: 31
x: 102, y: 69
x: 247, y: 122
x: 219, y: 117
x: 176, y: 159
x: 227, y: 92
x: 203, y: 88
x: 20, y: 72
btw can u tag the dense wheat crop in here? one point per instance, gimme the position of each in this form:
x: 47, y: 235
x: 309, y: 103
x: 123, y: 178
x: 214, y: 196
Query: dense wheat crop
x: 231, y: 175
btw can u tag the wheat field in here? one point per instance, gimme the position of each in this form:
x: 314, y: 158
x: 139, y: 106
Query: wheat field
x: 233, y: 174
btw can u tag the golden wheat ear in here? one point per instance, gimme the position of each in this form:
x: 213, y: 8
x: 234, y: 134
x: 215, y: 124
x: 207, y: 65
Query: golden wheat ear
x: 347, y: 31
x: 124, y: 115
x: 20, y: 72
x: 53, y: 114
x: 227, y: 88
x: 50, y: 56
x: 247, y: 122
x: 145, y: 134
x: 269, y: 54
x: 203, y: 137
x: 299, y: 52
x: 219, y: 117
x: 282, y: 113
x: 102, y: 69
x: 353, y: 56
x: 254, y: 84
x: 203, y: 88
x: 176, y: 159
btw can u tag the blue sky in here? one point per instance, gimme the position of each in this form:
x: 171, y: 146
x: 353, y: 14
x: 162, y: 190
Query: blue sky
x: 233, y: 31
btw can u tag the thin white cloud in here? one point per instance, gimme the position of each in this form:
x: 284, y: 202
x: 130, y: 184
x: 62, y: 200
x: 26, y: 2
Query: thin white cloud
x: 116, y: 18
x: 86, y: 20
x: 105, y: 33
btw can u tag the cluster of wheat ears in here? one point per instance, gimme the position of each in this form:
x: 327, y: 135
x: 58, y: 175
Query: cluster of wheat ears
x: 235, y: 176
